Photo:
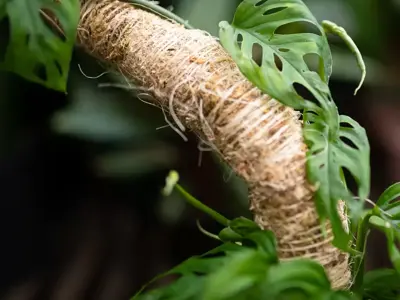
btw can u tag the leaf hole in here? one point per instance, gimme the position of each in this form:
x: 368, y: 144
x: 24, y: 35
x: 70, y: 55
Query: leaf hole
x: 274, y: 10
x: 298, y: 27
x: 5, y: 36
x: 321, y: 166
x: 239, y: 39
x: 351, y: 182
x: 348, y: 142
x: 59, y: 68
x: 312, y: 113
x: 51, y: 22
x: 316, y: 152
x: 308, y: 115
x: 40, y: 71
x: 278, y: 62
x: 197, y: 273
x: 257, y: 54
x: 259, y: 3
x: 312, y: 61
x: 304, y: 92
x: 346, y: 125
x: 284, y: 50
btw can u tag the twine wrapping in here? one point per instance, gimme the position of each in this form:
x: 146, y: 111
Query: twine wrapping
x: 191, y: 76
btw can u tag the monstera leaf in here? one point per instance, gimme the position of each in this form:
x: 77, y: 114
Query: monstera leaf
x: 248, y: 270
x: 42, y: 35
x: 387, y: 219
x: 256, y: 24
x: 335, y: 142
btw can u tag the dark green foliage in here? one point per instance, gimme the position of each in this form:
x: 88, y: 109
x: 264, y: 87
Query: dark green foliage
x: 382, y: 285
x: 37, y: 50
x: 250, y: 270
x: 246, y: 264
x: 387, y: 218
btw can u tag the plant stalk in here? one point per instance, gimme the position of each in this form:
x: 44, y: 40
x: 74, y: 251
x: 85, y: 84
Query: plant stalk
x: 204, y: 208
x: 359, y: 260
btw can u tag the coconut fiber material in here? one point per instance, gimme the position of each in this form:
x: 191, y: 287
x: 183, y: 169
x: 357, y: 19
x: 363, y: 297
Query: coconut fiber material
x: 191, y: 76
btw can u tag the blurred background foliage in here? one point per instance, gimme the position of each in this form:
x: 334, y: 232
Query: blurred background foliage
x: 80, y: 174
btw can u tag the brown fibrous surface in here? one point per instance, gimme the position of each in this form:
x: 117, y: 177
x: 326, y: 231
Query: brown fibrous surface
x: 191, y: 76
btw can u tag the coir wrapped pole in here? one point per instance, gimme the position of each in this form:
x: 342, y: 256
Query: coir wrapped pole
x: 191, y: 76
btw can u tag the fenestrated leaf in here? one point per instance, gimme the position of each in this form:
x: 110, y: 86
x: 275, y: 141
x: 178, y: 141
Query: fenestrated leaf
x: 387, y: 219
x: 189, y: 287
x: 256, y: 24
x: 390, y: 194
x: 381, y: 224
x: 304, y: 275
x: 205, y: 264
x: 383, y: 284
x: 391, y: 228
x: 196, y: 266
x: 36, y: 51
x: 332, y: 147
x: 393, y: 236
x: 241, y: 272
x: 393, y: 210
x: 334, y: 295
x: 327, y: 156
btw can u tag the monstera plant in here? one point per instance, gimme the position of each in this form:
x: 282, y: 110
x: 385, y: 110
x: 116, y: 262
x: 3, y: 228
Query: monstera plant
x: 255, y: 99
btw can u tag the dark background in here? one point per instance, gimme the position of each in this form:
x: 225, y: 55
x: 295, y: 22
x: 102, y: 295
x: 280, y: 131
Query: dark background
x: 81, y: 216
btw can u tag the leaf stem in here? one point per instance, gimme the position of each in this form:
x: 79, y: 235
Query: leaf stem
x: 359, y: 260
x: 207, y: 233
x: 341, y: 32
x: 204, y: 208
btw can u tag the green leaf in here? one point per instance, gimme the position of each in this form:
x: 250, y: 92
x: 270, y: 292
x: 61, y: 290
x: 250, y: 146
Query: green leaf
x: 228, y: 235
x: 391, y: 228
x: 205, y: 264
x: 335, y: 142
x: 326, y: 158
x: 393, y: 210
x: 393, y: 236
x: 250, y: 234
x: 390, y: 194
x: 383, y: 284
x: 256, y: 25
x: 334, y: 295
x: 185, y: 288
x: 243, y: 226
x: 265, y: 241
x: 35, y: 50
x: 305, y: 275
x: 241, y: 272
x: 377, y: 222
x: 387, y: 219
